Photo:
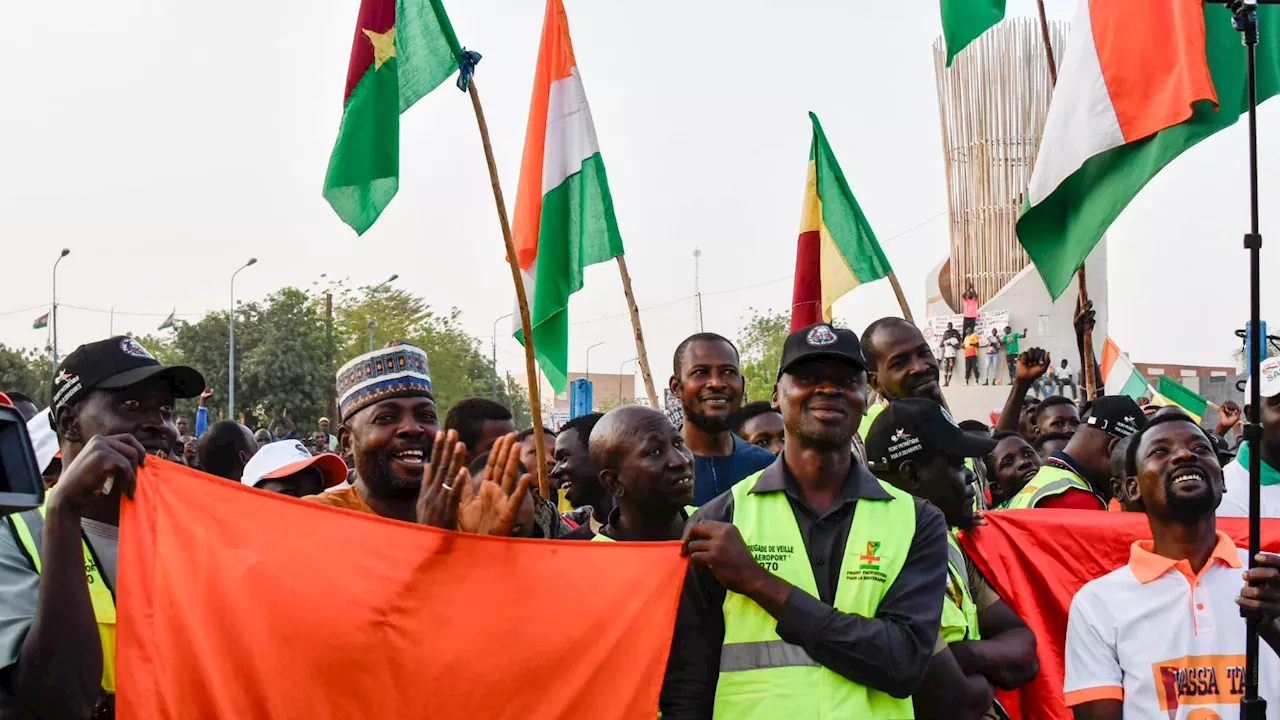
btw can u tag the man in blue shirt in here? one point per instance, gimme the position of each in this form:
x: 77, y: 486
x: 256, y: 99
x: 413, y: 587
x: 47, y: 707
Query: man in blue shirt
x: 708, y: 381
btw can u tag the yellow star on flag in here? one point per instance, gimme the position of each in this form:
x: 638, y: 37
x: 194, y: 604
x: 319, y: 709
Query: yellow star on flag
x: 384, y: 46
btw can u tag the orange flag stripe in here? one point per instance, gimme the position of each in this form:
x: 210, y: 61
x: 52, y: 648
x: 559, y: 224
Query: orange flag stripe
x: 250, y: 605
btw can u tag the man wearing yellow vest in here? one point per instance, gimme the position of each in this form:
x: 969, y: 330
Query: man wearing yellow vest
x: 648, y: 469
x: 814, y: 589
x: 112, y: 407
x: 1078, y: 477
x: 983, y: 645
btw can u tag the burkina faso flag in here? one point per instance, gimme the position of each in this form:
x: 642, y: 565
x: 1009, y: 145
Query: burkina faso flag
x: 403, y: 49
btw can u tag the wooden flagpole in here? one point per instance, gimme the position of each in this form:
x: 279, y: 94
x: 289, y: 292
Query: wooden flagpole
x: 531, y: 369
x: 1086, y: 362
x: 641, y: 353
x: 902, y: 299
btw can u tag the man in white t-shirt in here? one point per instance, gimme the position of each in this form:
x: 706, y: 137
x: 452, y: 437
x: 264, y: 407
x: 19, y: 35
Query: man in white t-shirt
x: 1163, y: 637
x: 950, y: 343
x: 1236, y: 473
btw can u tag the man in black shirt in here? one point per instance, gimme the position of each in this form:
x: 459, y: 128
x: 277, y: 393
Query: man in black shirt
x: 862, y: 658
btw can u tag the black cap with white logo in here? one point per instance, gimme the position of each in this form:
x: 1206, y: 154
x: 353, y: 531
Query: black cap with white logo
x: 915, y: 426
x: 1117, y: 415
x: 114, y: 364
x: 822, y: 341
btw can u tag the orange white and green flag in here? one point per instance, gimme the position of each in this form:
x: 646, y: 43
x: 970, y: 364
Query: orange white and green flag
x: 836, y: 251
x: 564, y: 217
x: 1126, y: 104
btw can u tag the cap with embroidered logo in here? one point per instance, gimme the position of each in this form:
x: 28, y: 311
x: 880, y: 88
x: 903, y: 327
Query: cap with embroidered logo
x: 114, y: 364
x: 822, y: 340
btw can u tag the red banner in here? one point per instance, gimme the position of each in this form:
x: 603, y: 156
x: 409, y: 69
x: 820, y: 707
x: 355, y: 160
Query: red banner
x: 1037, y: 560
x: 235, y: 603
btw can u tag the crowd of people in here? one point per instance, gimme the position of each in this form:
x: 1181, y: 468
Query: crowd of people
x: 825, y: 576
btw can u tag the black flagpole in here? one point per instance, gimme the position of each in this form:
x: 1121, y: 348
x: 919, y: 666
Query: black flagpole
x: 1245, y: 19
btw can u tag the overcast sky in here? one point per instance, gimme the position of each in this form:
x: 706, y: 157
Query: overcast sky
x: 166, y: 143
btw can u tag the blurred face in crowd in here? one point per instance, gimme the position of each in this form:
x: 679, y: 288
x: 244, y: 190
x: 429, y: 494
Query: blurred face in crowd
x: 944, y: 481
x: 320, y: 440
x: 904, y: 364
x: 710, y: 385
x: 1059, y: 418
x: 262, y: 437
x: 1014, y: 463
x: 144, y: 410
x: 490, y: 432
x: 822, y: 402
x: 765, y: 430
x: 181, y: 425
x: 1027, y: 418
x: 390, y: 442
x: 574, y: 473
x: 1177, y: 472
x: 307, y: 481
x: 529, y: 458
x: 323, y: 425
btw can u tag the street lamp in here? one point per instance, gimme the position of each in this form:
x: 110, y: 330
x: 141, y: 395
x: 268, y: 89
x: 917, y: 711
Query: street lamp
x: 593, y: 347
x: 231, y: 352
x: 54, y: 314
x: 633, y: 380
x: 375, y: 289
x: 495, y: 353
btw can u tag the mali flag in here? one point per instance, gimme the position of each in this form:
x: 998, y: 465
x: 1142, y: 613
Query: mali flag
x: 236, y: 603
x: 836, y: 251
x: 403, y: 49
x: 1037, y: 559
x: 564, y: 218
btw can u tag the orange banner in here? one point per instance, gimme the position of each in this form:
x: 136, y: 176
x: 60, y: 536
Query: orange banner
x: 235, y: 603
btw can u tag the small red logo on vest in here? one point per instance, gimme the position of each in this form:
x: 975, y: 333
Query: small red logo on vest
x: 870, y: 561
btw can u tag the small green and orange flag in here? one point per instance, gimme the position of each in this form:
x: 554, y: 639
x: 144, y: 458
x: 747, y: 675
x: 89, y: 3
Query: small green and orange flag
x: 403, y: 49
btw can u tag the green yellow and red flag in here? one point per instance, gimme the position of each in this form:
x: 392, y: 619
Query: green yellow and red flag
x: 402, y: 50
x: 837, y: 250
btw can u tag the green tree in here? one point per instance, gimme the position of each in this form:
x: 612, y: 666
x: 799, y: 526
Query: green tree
x: 27, y: 371
x: 760, y: 345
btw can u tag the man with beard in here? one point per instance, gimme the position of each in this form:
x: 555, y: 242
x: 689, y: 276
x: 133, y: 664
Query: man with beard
x: 900, y: 364
x: 575, y: 475
x: 1079, y: 475
x: 709, y: 383
x: 1236, y: 473
x: 113, y: 406
x: 405, y: 469
x: 1163, y: 635
x: 983, y: 645
x: 813, y: 588
x: 1011, y: 465
x: 646, y: 466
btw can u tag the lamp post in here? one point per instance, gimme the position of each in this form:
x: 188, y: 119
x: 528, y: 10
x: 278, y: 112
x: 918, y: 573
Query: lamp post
x: 633, y: 380
x: 593, y: 347
x: 54, y: 311
x: 231, y: 353
x: 494, y: 347
x: 375, y: 289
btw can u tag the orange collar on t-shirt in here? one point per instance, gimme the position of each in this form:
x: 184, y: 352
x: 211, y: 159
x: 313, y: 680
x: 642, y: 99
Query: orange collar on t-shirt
x: 1147, y: 566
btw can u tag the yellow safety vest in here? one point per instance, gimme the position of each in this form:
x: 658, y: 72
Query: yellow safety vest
x: 601, y: 537
x: 959, y: 614
x: 28, y: 526
x: 763, y: 677
x: 873, y: 412
x: 1046, y: 483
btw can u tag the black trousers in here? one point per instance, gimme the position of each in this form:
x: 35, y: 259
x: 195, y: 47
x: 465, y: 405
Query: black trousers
x: 970, y: 324
x: 971, y: 368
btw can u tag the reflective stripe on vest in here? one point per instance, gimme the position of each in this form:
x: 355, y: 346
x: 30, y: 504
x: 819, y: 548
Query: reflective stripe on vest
x: 959, y: 614
x: 601, y: 537
x: 29, y: 528
x: 763, y: 677
x: 1046, y: 483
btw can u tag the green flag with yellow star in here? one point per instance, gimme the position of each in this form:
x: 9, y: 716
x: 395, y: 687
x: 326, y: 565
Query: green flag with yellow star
x: 403, y: 49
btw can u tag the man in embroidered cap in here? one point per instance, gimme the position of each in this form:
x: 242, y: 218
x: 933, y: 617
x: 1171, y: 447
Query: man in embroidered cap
x: 388, y: 426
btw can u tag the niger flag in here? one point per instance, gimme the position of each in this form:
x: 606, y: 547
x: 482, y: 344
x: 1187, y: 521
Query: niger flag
x: 1037, y: 560
x: 236, y: 603
x: 836, y: 251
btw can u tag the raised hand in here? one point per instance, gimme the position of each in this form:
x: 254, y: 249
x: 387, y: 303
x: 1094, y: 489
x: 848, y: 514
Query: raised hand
x: 490, y: 508
x: 1033, y: 364
x: 1085, y: 319
x: 205, y: 395
x: 443, y: 480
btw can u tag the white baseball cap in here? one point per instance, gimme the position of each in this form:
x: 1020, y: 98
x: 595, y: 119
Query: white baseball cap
x: 44, y: 440
x: 286, y: 457
x: 1269, y: 371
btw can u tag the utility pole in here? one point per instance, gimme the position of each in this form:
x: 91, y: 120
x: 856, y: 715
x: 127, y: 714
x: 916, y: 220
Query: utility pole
x: 330, y: 390
x: 697, y: 289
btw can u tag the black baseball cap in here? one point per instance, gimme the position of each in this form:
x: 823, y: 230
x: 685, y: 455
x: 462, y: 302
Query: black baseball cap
x: 912, y: 426
x: 822, y: 340
x: 1117, y: 415
x: 114, y: 364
